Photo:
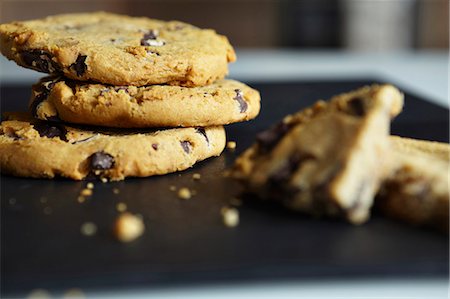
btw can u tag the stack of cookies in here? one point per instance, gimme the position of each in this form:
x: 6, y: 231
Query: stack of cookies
x: 118, y: 80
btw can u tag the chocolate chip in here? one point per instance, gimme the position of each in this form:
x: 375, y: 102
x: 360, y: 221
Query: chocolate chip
x: 119, y: 88
x: 186, y: 145
x: 101, y: 161
x: 51, y: 131
x: 72, y: 84
x: 84, y: 140
x: 155, y: 146
x: 293, y: 163
x: 356, y: 106
x: 79, y: 66
x: 148, y: 37
x: 269, y: 138
x: 240, y: 99
x: 9, y: 132
x: 40, y: 60
x: 43, y: 91
x: 202, y: 132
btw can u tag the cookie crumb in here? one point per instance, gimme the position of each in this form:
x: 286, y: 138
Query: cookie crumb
x: 88, y: 229
x: 74, y: 294
x: 172, y: 188
x: 104, y: 180
x: 48, y: 210
x: 230, y: 216
x: 196, y: 176
x: 86, y: 192
x: 231, y: 145
x: 116, y: 191
x: 39, y: 294
x: 121, y: 207
x: 184, y: 193
x: 90, y: 186
x: 81, y: 199
x: 128, y: 227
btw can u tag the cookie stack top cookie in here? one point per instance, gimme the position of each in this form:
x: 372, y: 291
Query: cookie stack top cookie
x: 118, y: 50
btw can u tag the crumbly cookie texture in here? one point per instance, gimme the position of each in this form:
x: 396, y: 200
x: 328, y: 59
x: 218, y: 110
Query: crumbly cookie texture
x: 417, y: 191
x: 223, y: 102
x: 33, y: 148
x: 118, y: 50
x: 328, y: 159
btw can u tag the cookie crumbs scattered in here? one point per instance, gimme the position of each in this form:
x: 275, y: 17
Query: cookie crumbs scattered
x: 104, y: 180
x: 74, y: 294
x: 86, y: 192
x: 172, y: 188
x: 184, y: 193
x: 235, y: 201
x: 121, y: 207
x: 230, y: 216
x: 48, y: 210
x: 196, y: 176
x: 116, y: 191
x: 128, y: 227
x: 88, y: 229
x: 231, y: 145
x: 39, y: 294
x: 90, y: 186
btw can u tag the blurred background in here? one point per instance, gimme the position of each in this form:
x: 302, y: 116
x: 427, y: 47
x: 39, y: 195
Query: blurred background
x: 357, y: 25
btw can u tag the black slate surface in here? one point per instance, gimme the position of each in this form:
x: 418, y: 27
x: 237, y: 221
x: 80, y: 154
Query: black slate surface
x: 185, y: 242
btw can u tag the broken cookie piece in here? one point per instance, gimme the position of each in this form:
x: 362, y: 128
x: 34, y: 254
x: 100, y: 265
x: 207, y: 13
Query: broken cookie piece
x: 417, y: 191
x: 328, y: 159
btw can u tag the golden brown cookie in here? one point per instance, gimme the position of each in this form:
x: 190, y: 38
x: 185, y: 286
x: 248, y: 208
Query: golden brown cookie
x: 328, y: 159
x: 417, y: 190
x: 33, y: 148
x: 223, y: 102
x: 117, y: 49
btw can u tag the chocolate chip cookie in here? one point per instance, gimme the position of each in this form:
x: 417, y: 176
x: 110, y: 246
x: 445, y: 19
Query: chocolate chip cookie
x: 417, y: 190
x: 32, y: 148
x: 118, y: 50
x: 223, y: 102
x: 328, y: 159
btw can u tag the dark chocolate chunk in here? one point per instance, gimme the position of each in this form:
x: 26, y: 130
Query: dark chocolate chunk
x: 240, y: 99
x: 79, y: 66
x: 72, y: 84
x: 203, y: 132
x: 284, y: 173
x: 43, y: 91
x: 9, y: 132
x: 101, y: 161
x: 40, y: 61
x: 269, y: 138
x: 84, y: 140
x: 186, y: 145
x: 356, y: 106
x: 150, y: 35
x: 51, y: 130
x: 155, y: 146
x: 53, y: 118
x: 119, y: 88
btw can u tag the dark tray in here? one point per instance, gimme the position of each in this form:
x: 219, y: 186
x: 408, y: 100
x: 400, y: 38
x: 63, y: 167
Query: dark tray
x: 186, y: 242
